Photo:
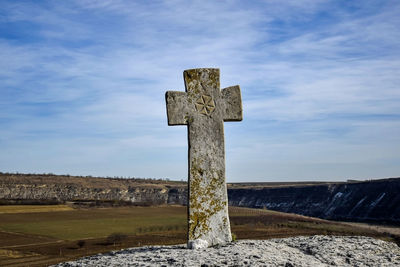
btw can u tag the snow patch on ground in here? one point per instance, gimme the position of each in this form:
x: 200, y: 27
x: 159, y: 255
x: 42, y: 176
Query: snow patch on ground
x: 289, y: 252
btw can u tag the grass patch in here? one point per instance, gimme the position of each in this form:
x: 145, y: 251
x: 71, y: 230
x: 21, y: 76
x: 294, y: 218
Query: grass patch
x: 7, y: 209
x: 97, y: 223
x: 96, y: 228
x: 7, y: 253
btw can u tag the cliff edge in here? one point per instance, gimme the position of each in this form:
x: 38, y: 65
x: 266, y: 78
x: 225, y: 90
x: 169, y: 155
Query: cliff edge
x: 375, y: 200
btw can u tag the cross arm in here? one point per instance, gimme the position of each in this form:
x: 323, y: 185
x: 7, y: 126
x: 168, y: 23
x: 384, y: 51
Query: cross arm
x: 177, y: 107
x: 232, y: 102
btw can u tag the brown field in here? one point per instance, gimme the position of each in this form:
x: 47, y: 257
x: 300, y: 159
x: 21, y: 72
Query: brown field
x: 44, y: 235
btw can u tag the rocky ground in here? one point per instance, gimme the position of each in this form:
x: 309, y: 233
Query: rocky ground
x: 295, y: 251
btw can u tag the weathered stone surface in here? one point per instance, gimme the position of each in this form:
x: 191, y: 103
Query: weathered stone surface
x: 204, y: 108
x: 322, y: 251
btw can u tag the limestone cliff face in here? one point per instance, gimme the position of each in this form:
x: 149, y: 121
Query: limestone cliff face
x: 377, y: 200
x: 61, y: 193
x: 63, y: 188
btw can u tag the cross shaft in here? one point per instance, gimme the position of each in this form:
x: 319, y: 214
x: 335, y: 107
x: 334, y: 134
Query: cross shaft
x: 204, y: 108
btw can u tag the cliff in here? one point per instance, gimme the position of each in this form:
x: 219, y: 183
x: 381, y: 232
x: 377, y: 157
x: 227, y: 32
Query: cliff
x: 375, y: 200
x: 30, y: 188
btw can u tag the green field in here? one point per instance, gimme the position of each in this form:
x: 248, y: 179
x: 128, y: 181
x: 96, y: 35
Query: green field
x: 95, y: 223
x: 43, y: 235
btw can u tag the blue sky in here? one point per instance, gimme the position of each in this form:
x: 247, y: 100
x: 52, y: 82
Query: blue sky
x: 82, y: 86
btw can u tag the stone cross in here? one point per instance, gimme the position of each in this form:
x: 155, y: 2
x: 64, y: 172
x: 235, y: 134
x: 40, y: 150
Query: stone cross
x: 204, y: 108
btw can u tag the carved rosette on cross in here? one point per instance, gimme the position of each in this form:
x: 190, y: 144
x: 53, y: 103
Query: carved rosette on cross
x: 204, y: 108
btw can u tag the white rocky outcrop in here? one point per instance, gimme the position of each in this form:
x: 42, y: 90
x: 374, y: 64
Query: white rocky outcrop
x: 295, y: 251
